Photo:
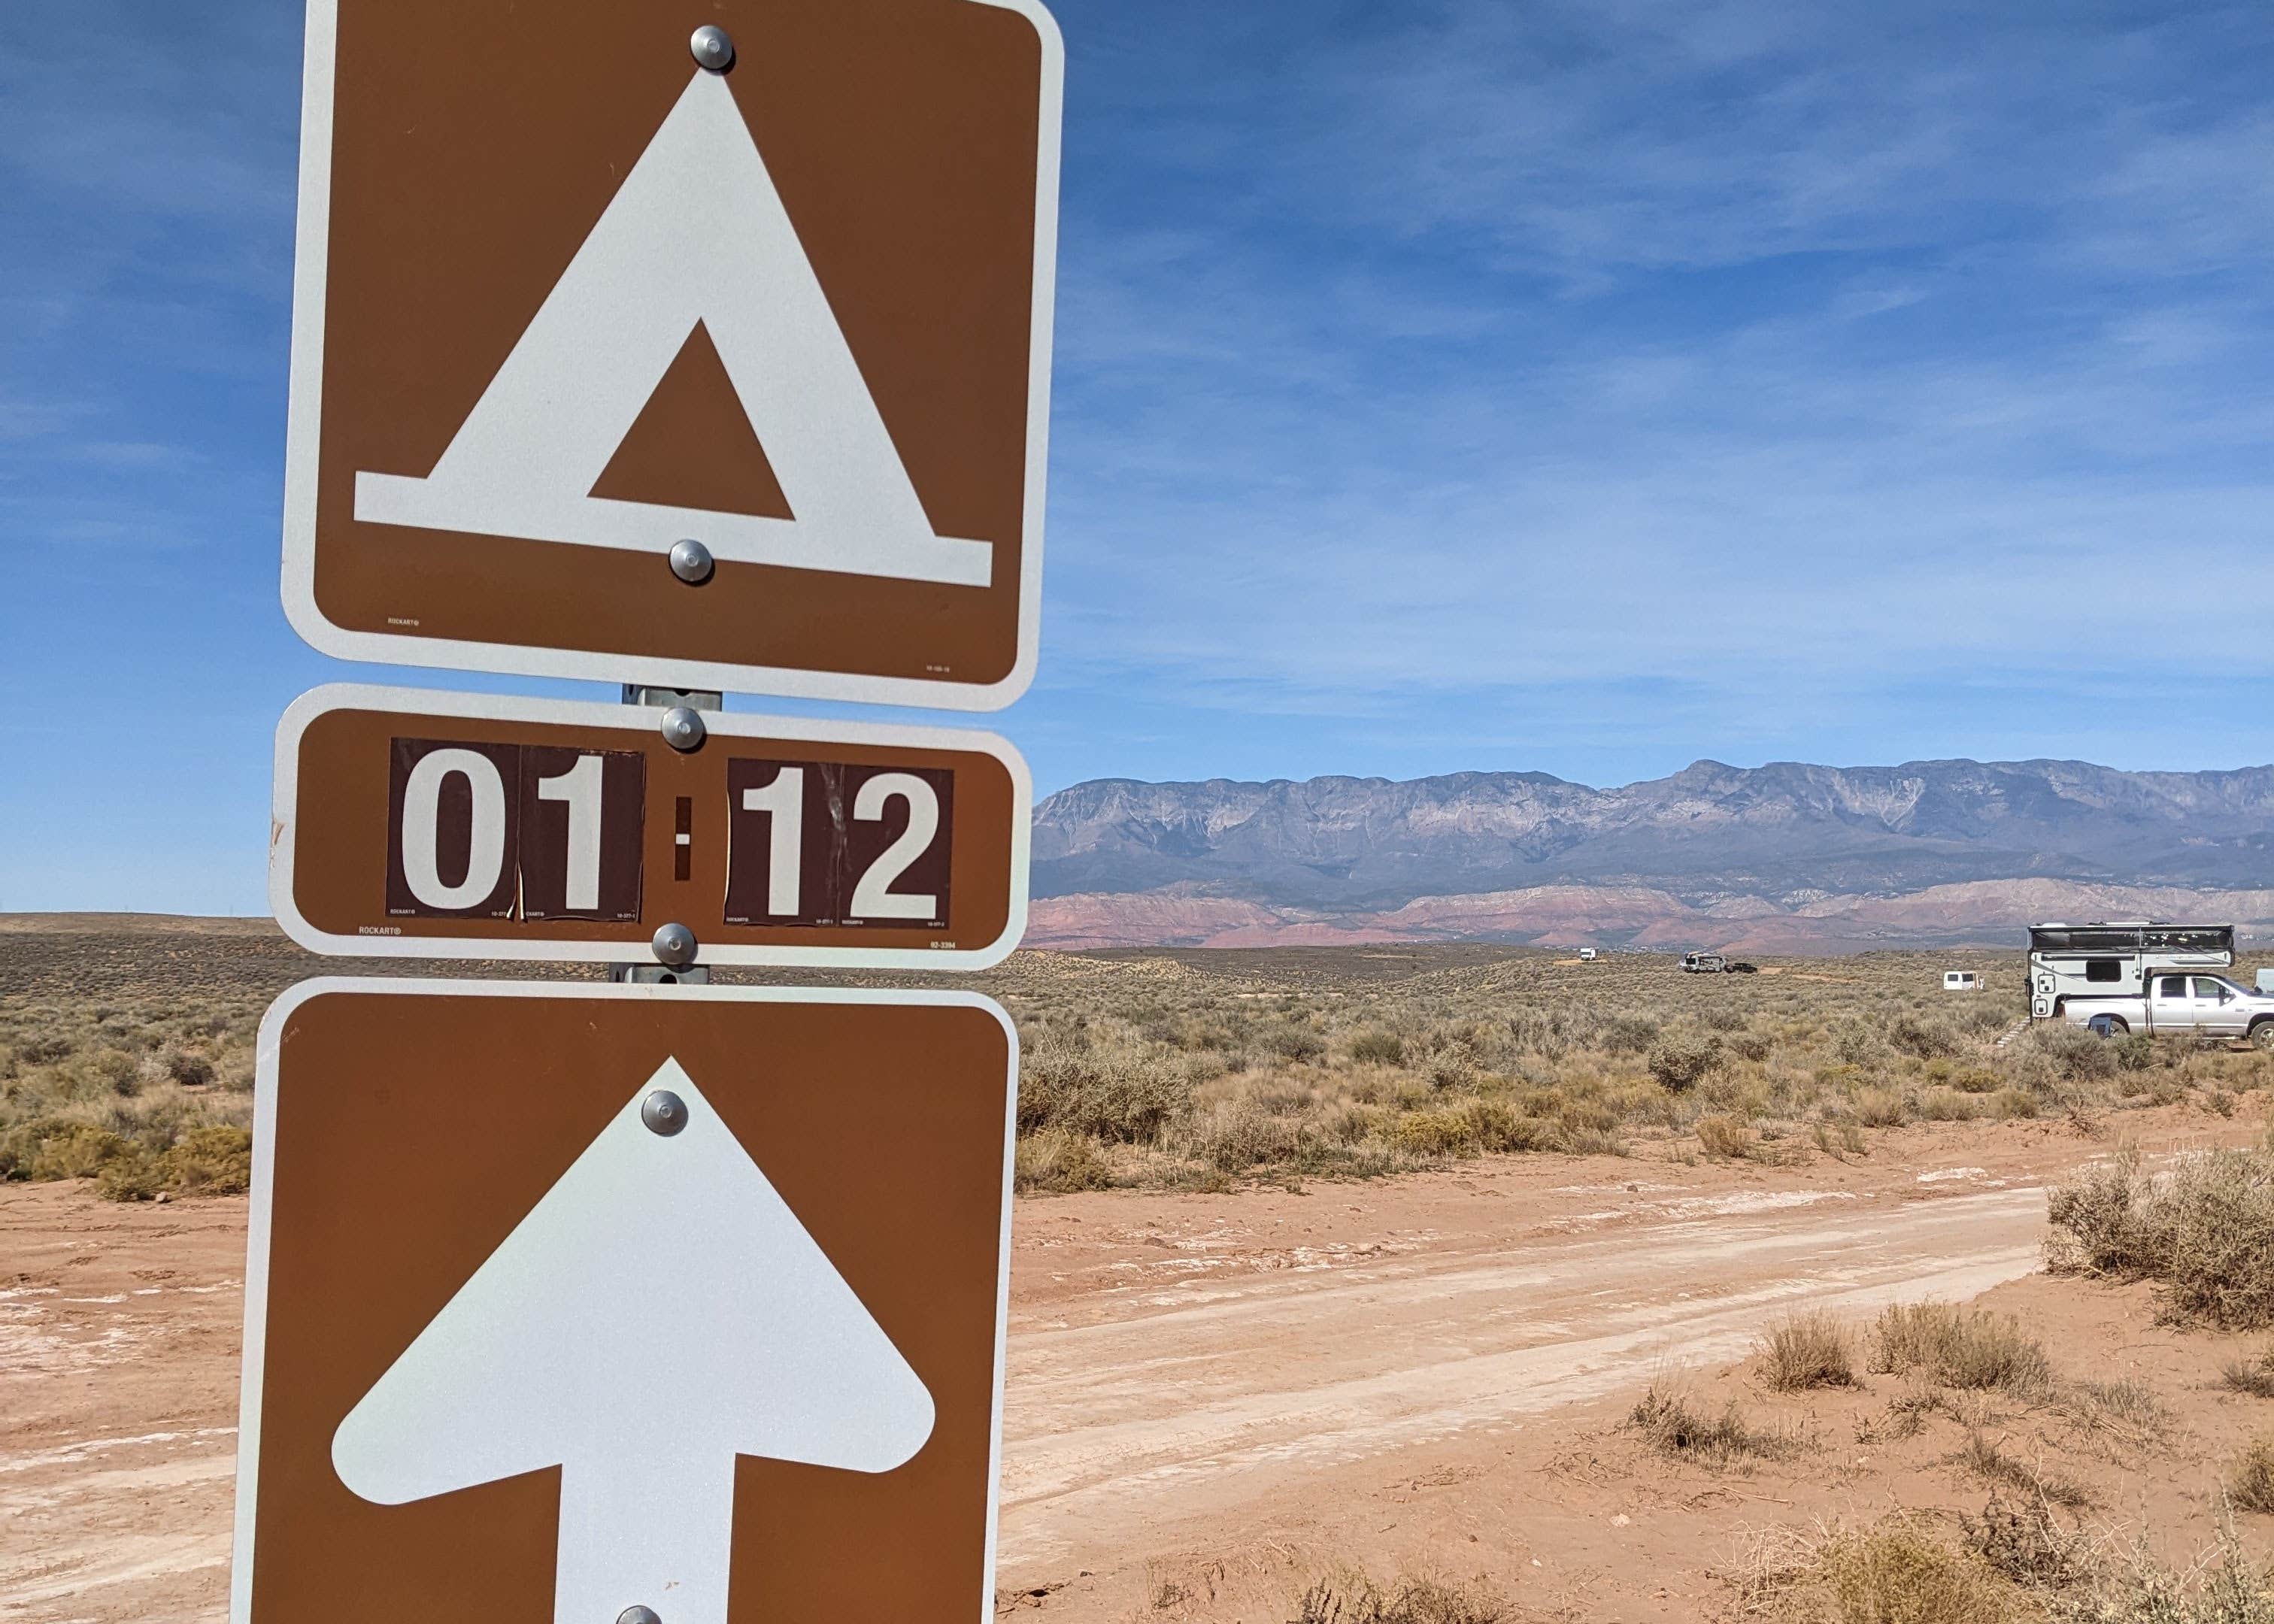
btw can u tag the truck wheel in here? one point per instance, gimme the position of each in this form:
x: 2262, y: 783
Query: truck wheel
x: 2262, y: 1034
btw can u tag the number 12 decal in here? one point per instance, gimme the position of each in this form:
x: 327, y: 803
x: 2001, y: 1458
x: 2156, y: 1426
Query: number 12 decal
x: 827, y: 843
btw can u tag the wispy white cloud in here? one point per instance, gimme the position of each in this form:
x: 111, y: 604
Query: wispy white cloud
x: 1758, y: 352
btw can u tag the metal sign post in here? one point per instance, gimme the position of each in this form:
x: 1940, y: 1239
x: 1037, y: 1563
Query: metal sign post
x: 688, y: 355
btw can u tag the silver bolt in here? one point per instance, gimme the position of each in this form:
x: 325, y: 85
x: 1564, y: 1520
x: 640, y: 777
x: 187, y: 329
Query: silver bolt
x: 675, y: 945
x: 664, y: 1114
x: 683, y: 728
x: 691, y: 562
x: 711, y: 48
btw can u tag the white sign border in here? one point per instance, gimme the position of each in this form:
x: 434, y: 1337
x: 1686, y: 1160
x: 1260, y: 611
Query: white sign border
x: 723, y: 724
x: 304, y: 424
x: 259, y: 1229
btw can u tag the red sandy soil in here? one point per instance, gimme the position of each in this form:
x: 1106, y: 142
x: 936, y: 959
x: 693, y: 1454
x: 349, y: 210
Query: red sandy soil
x: 1214, y: 1398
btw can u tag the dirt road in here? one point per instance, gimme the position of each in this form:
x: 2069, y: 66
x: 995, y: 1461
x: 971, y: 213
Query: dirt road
x: 1186, y: 1371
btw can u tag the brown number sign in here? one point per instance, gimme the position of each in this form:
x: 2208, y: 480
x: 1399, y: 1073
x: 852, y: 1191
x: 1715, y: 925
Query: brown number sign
x: 475, y: 826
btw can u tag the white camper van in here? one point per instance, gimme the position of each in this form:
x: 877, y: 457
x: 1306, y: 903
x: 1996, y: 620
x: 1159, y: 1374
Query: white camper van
x: 2113, y: 959
x: 1961, y: 980
x: 1588, y: 955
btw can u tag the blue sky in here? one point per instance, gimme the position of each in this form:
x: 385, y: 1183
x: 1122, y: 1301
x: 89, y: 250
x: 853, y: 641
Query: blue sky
x: 1576, y: 387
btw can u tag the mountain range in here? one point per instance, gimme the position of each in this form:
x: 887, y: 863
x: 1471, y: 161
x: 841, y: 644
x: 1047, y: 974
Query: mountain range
x: 1786, y: 857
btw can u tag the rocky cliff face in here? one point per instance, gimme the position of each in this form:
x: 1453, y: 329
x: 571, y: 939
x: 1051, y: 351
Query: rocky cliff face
x: 1786, y: 839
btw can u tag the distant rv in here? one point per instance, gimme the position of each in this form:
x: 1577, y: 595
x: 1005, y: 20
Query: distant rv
x: 2114, y: 959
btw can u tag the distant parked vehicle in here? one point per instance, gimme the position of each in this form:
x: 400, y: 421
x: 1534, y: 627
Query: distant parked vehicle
x: 1714, y: 963
x: 2197, y: 1006
x: 2084, y: 966
x: 1961, y: 980
x: 2266, y: 981
x: 1588, y: 955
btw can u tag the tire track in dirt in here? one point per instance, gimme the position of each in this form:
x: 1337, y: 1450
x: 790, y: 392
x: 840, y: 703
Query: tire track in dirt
x: 1225, y: 1401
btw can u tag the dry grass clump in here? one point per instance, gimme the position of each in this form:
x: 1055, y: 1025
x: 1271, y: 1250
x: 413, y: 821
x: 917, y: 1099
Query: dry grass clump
x: 2134, y: 1588
x: 1897, y: 1572
x: 1807, y: 1349
x: 1349, y: 1597
x: 1670, y: 1425
x: 2250, y: 1486
x: 1726, y: 1135
x: 1987, y: 1458
x: 2021, y: 1541
x: 2015, y: 1564
x: 2203, y: 1230
x: 1060, y: 1163
x: 2252, y: 1376
x: 1958, y: 1348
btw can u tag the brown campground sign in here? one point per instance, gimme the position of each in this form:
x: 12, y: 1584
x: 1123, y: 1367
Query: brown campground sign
x: 574, y: 289
x: 714, y: 1337
x: 440, y: 825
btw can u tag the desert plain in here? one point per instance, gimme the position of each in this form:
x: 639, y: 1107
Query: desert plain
x: 1426, y: 1285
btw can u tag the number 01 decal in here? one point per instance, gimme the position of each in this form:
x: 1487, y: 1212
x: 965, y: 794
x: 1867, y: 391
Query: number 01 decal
x: 823, y: 843
x: 507, y: 832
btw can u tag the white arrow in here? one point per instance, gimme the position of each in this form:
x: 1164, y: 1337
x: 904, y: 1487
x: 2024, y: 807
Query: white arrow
x: 660, y: 1311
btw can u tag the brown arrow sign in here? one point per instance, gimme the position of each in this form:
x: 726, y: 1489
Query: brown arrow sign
x: 573, y: 288
x: 442, y: 825
x: 562, y: 1300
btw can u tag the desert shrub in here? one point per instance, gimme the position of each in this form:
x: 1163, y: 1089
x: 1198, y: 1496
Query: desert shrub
x: 1754, y: 1045
x: 1453, y: 1067
x: 2136, y: 1589
x: 2020, y: 1540
x: 2250, y: 1485
x: 2011, y: 1104
x: 1807, y: 1349
x: 1060, y: 1163
x: 1240, y: 1135
x: 1837, y: 1137
x: 2135, y: 1051
x: 1679, y: 1065
x: 1628, y: 1034
x: 1671, y: 1426
x: 2077, y: 1056
x: 1376, y: 1047
x: 2204, y: 1232
x: 1291, y: 1042
x: 1928, y: 1040
x: 75, y: 1150
x: 43, y: 1048
x: 1119, y: 1092
x: 1351, y: 1597
x: 1947, y: 1105
x: 1880, y: 1108
x: 2255, y: 1376
x: 189, y: 1069
x: 1721, y: 1018
x: 1897, y: 1572
x: 1986, y: 1459
x: 213, y: 1159
x: 1958, y: 1348
x: 1474, y: 1127
x: 1974, y: 1079
x: 118, y: 1068
x: 1728, y: 1136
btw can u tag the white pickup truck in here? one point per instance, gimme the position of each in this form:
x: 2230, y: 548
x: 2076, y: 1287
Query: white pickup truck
x: 2192, y: 1005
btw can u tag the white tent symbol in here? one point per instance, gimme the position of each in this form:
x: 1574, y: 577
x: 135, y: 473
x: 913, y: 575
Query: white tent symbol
x: 660, y: 1311
x: 697, y: 233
